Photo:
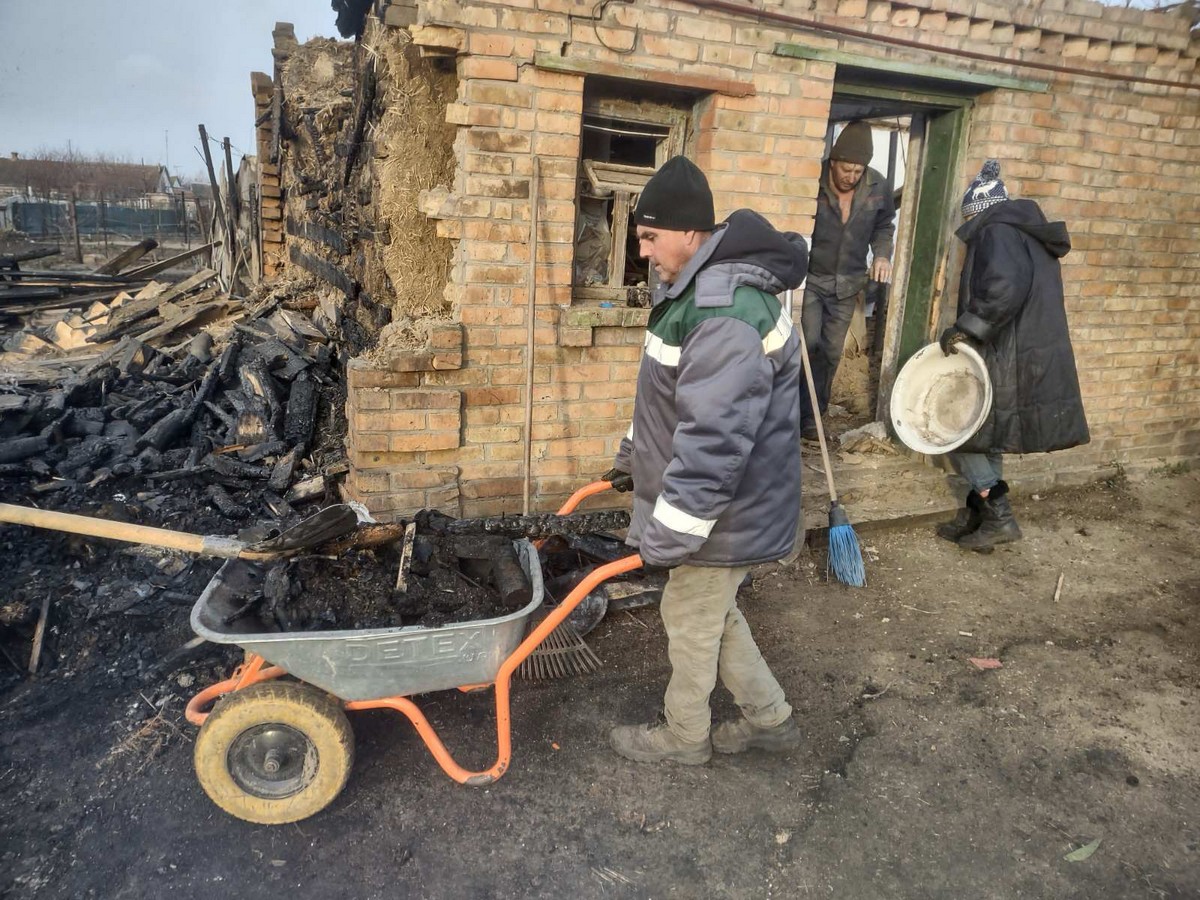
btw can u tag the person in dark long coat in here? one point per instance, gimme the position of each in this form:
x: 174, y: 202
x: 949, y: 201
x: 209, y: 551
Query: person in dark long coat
x: 1010, y: 308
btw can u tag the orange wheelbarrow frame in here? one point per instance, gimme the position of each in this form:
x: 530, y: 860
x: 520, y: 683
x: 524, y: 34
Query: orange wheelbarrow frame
x: 254, y: 670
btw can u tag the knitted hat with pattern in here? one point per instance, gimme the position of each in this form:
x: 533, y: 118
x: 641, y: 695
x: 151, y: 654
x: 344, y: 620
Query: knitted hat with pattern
x: 986, y: 190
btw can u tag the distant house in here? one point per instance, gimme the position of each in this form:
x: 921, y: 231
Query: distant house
x: 87, y: 179
x: 118, y: 200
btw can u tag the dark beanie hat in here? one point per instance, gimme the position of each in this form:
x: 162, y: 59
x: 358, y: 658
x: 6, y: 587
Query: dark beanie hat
x: 854, y: 144
x: 986, y: 189
x: 676, y: 198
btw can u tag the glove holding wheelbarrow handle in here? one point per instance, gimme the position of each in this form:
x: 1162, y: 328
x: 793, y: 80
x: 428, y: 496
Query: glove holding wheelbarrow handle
x: 620, y: 481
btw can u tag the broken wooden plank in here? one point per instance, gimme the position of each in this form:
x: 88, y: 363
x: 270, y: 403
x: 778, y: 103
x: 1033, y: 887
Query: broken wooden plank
x: 169, y: 262
x: 301, y: 415
x: 143, y: 306
x: 281, y: 474
x: 165, y: 431
x: 406, y: 552
x: 9, y: 260
x: 67, y: 338
x: 186, y: 317
x: 127, y: 257
x: 188, y: 284
x: 309, y: 489
x: 16, y: 449
x: 300, y: 325
x: 39, y: 635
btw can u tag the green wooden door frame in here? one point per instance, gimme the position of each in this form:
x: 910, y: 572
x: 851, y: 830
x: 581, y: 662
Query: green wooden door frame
x: 944, y: 133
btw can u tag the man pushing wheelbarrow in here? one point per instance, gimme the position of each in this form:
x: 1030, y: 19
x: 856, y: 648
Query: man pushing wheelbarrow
x: 712, y: 457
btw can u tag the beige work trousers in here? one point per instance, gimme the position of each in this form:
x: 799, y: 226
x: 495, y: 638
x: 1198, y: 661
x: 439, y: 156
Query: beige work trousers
x: 707, y: 637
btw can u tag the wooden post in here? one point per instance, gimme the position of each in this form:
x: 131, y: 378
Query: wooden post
x: 205, y: 227
x: 75, y: 228
x: 233, y: 211
x: 219, y: 212
x: 187, y: 232
x: 104, y: 223
x: 218, y: 209
x: 276, y: 114
x: 620, y: 239
x: 255, y: 233
x: 235, y: 201
x: 531, y: 315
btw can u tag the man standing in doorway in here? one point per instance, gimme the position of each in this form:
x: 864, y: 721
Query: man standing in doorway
x: 855, y: 213
x: 711, y: 458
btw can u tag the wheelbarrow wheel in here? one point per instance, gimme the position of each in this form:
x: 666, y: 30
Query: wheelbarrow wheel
x: 274, y: 753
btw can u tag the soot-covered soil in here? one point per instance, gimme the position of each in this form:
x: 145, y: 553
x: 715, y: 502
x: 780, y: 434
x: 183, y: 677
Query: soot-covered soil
x: 920, y: 775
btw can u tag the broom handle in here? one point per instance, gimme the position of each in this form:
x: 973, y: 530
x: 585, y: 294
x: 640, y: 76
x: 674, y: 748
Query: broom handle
x: 812, y: 396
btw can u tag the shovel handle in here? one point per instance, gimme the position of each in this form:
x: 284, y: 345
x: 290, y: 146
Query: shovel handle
x: 206, y: 545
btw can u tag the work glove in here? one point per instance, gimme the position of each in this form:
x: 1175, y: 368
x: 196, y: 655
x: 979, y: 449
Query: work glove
x: 951, y: 336
x: 621, y: 481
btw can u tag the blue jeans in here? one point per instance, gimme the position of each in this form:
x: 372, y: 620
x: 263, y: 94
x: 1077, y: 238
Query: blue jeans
x: 825, y: 319
x: 982, y: 471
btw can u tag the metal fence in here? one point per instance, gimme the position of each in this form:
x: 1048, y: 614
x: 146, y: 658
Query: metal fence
x: 52, y: 219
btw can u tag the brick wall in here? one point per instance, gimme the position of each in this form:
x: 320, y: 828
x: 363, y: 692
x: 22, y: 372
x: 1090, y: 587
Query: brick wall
x: 1116, y: 161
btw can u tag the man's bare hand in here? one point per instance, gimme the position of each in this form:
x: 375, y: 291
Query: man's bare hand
x: 881, y: 270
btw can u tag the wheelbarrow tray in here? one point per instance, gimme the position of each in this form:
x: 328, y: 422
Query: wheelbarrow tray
x: 370, y: 663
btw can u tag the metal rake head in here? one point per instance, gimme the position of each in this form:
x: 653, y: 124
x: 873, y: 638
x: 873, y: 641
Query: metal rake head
x: 562, y: 654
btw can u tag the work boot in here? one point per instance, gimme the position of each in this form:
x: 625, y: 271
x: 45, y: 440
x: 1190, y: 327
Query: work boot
x: 966, y: 521
x: 742, y: 735
x: 809, y: 433
x: 657, y: 743
x: 999, y: 525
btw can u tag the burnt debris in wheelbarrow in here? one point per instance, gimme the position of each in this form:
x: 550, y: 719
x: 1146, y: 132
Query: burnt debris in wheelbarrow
x: 362, y: 663
x: 273, y: 750
x: 428, y: 572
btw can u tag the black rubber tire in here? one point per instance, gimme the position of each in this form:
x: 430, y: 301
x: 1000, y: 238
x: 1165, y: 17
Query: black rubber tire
x: 309, y: 771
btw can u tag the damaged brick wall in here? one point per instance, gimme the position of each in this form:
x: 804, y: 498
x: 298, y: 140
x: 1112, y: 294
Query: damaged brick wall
x: 1116, y: 160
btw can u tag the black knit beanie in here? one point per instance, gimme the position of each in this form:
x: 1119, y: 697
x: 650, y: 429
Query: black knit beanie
x: 676, y: 198
x: 854, y: 144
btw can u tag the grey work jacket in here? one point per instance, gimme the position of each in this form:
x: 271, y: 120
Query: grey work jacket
x: 838, y: 259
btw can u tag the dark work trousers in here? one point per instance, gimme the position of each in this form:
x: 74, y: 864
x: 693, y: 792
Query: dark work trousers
x: 825, y: 319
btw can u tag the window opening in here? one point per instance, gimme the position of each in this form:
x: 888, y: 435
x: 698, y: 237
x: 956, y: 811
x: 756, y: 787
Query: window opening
x: 623, y: 142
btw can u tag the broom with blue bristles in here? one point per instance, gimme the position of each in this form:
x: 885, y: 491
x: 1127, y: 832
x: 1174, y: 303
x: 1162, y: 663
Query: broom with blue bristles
x: 845, y: 556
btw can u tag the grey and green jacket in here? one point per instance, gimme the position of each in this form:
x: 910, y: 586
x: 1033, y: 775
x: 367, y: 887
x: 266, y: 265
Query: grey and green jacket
x: 714, y: 446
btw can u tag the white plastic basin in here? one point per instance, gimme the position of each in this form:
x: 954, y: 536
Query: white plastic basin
x: 939, y: 401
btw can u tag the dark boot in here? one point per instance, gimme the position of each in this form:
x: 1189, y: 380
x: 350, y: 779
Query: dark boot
x: 999, y: 525
x: 966, y: 521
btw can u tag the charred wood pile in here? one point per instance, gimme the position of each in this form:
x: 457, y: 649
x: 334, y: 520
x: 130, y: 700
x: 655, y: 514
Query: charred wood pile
x: 169, y: 382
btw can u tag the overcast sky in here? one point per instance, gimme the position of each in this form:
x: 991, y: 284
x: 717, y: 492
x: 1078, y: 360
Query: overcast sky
x: 133, y: 78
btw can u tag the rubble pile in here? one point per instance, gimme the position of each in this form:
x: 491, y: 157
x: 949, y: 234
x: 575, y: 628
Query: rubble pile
x: 176, y: 405
x: 237, y: 417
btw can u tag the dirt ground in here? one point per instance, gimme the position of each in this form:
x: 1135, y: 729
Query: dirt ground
x: 920, y: 775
